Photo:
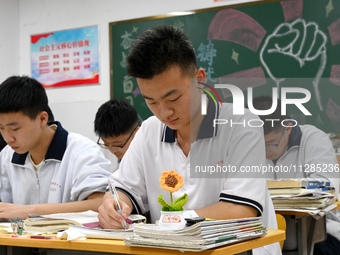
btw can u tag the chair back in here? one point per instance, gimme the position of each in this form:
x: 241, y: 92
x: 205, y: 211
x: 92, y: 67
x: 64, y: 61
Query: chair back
x: 281, y: 224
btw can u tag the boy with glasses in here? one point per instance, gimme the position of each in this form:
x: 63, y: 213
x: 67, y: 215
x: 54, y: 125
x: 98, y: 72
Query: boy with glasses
x: 303, y: 147
x: 116, y: 124
x: 289, y: 143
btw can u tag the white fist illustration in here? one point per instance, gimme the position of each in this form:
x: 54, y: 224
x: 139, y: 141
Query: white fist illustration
x: 296, y: 50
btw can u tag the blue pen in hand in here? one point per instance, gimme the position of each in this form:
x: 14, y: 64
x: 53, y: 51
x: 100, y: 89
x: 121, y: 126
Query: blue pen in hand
x: 116, y: 199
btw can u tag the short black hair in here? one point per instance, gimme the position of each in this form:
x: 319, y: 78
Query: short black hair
x: 159, y: 48
x: 23, y: 94
x: 115, y: 118
x: 50, y: 114
x: 265, y: 103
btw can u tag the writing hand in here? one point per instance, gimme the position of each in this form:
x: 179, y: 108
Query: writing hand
x: 109, y: 218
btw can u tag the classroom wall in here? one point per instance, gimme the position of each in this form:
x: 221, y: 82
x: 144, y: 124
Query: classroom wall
x: 9, y: 38
x: 75, y: 107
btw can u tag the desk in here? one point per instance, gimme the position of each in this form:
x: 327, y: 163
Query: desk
x: 310, y: 231
x: 117, y: 246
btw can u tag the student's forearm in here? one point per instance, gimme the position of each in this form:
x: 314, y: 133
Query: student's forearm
x: 225, y: 210
x: 91, y: 203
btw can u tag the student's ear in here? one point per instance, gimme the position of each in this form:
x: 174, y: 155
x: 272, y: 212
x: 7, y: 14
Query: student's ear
x: 43, y: 117
x: 200, y: 75
x: 289, y: 128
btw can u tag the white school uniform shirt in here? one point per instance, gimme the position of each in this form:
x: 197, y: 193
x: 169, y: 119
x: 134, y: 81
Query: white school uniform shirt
x: 308, y: 148
x: 73, y: 168
x: 155, y: 149
x: 112, y: 157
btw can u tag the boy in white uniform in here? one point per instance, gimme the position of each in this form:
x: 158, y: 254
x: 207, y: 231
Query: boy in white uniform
x: 178, y: 137
x: 116, y: 124
x: 303, y: 147
x: 44, y: 169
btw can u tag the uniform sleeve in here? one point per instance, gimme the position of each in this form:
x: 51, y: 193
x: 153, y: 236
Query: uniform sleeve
x: 91, y: 172
x: 130, y: 177
x: 319, y: 156
x: 246, y: 153
x: 5, y: 183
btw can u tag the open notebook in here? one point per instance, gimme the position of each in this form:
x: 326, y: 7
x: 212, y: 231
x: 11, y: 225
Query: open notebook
x: 84, y: 222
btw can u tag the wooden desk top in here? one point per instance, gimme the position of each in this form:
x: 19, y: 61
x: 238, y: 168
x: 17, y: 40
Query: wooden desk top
x: 117, y: 246
x: 337, y: 205
x: 304, y: 213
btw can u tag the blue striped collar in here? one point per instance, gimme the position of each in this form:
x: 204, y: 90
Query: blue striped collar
x: 207, y: 129
x: 56, y: 149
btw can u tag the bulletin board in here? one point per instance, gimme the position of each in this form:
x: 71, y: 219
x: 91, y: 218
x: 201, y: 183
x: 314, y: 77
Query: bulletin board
x: 66, y: 58
x: 235, y: 41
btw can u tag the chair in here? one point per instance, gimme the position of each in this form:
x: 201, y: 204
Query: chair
x: 281, y: 224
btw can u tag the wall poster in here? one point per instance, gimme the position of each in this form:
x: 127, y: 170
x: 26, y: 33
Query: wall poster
x: 66, y: 58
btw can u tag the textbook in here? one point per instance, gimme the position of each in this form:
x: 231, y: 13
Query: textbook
x: 286, y: 191
x: 314, y: 200
x: 52, y: 223
x: 297, y: 183
x: 299, y: 191
x: 100, y: 233
x: 309, y: 199
x: 197, y: 237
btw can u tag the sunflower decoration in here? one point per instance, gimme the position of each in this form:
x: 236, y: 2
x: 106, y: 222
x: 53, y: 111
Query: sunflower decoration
x: 172, y: 182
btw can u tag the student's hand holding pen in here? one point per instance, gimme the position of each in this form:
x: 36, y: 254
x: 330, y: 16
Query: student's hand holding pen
x: 109, y: 216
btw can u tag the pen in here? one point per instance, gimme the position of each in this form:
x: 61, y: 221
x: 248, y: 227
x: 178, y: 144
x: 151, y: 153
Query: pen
x: 116, y: 198
x: 20, y: 236
x: 34, y: 237
x: 43, y: 237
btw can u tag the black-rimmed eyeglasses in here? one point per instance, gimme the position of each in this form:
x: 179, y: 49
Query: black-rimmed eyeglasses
x: 273, y: 147
x: 117, y: 148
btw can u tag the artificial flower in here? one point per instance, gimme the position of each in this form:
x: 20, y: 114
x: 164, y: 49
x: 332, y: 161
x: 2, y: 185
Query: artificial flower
x: 172, y: 182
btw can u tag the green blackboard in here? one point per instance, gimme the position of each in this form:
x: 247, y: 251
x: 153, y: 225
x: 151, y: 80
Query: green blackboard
x: 235, y: 42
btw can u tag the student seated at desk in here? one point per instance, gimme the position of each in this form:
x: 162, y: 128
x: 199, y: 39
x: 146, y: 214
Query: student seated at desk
x: 163, y: 61
x: 116, y: 124
x: 44, y: 169
x: 305, y: 146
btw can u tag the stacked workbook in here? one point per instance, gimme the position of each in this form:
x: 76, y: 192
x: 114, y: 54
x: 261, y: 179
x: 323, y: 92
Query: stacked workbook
x: 199, y: 236
x: 85, y: 223
x: 301, y: 194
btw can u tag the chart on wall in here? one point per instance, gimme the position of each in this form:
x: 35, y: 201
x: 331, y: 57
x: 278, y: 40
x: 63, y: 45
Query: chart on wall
x: 293, y: 43
x: 66, y: 58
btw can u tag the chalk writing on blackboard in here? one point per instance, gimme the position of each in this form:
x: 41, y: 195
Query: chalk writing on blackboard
x: 290, y: 41
x: 262, y: 45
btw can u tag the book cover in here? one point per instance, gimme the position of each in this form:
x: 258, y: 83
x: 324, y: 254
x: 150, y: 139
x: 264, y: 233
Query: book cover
x: 296, y: 183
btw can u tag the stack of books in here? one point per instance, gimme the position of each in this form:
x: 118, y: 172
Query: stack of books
x: 199, y: 236
x: 85, y: 223
x: 309, y: 194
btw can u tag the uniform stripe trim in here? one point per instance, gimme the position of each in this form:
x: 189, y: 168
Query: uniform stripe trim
x: 242, y: 201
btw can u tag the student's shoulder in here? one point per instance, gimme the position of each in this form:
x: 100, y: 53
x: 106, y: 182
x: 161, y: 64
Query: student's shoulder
x: 310, y: 130
x: 6, y: 152
x: 151, y: 123
x: 150, y: 129
x: 80, y: 141
x: 152, y: 120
